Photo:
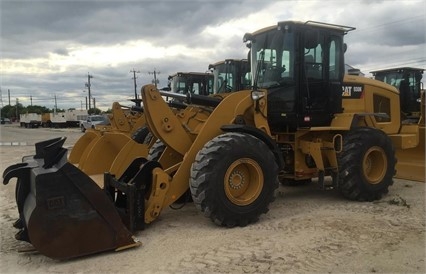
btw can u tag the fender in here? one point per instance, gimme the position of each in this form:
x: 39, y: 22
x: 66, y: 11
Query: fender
x: 260, y: 135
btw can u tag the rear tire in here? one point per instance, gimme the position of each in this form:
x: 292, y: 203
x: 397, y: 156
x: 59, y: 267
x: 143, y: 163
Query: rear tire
x: 233, y: 179
x: 366, y: 164
x: 156, y: 150
x: 142, y: 135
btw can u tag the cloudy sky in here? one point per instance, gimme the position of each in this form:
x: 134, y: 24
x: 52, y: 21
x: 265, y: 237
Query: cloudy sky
x: 48, y: 48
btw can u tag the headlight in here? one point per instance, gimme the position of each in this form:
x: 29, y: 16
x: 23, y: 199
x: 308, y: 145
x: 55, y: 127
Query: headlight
x: 256, y: 95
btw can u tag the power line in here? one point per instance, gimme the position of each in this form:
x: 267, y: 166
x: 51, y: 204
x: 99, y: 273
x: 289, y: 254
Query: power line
x: 412, y: 18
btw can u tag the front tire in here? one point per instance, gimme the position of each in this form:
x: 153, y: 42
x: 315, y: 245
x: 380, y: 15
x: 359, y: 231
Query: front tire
x: 366, y: 164
x: 233, y: 179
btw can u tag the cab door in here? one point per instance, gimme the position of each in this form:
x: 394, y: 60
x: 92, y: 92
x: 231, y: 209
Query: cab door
x: 321, y: 78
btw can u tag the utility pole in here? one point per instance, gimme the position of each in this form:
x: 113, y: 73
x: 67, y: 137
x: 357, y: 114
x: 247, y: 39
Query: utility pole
x: 31, y: 99
x: 56, y: 106
x: 134, y: 81
x: 8, y: 95
x: 88, y: 87
x: 94, y: 102
x: 17, y: 102
x: 154, y: 81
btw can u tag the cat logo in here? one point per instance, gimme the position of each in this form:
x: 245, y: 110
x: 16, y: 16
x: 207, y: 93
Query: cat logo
x: 352, y: 91
x: 346, y: 91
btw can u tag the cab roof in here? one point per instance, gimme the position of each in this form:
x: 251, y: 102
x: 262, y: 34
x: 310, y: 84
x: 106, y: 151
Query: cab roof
x: 399, y: 69
x: 341, y: 28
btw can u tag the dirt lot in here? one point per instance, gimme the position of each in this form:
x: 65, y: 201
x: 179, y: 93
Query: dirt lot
x: 306, y: 230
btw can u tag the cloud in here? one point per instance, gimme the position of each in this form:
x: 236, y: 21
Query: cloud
x: 48, y: 47
x: 61, y: 51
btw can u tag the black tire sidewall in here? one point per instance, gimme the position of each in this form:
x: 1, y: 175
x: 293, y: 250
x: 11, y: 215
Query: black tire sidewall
x: 351, y: 174
x: 156, y: 150
x: 140, y: 134
x: 218, y: 174
x: 207, y: 186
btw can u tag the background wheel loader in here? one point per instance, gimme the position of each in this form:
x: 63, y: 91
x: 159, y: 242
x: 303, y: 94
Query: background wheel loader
x: 411, y: 162
x: 300, y: 119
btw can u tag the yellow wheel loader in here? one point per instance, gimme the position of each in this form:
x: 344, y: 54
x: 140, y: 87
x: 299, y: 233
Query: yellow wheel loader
x: 411, y: 162
x: 301, y: 119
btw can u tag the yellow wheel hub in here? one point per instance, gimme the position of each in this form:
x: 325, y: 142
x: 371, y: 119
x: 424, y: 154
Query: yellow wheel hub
x: 374, y: 165
x: 243, y: 181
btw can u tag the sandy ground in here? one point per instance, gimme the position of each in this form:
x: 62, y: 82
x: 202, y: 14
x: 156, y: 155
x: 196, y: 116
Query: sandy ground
x: 306, y: 230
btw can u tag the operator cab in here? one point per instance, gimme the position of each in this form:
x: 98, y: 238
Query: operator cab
x: 408, y: 81
x: 301, y: 65
x: 191, y: 82
x: 231, y: 75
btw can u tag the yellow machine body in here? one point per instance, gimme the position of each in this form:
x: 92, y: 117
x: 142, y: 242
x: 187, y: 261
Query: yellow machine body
x: 411, y: 155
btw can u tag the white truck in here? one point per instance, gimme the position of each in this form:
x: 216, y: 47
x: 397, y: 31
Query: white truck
x: 92, y: 121
x: 30, y: 120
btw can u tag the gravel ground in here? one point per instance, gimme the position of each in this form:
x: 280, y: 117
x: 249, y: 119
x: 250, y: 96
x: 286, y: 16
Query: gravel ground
x: 306, y: 230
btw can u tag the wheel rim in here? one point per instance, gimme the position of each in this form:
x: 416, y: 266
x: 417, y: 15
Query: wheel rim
x: 243, y: 181
x: 374, y: 165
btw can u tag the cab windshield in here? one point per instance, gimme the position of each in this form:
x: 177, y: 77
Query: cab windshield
x: 97, y: 118
x: 180, y: 85
x: 272, y: 56
x: 224, y: 74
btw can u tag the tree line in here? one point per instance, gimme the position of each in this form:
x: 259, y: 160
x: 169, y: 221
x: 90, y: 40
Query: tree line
x: 13, y: 112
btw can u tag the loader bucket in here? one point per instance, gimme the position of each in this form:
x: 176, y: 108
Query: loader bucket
x: 62, y: 212
x: 99, y: 158
x: 411, y: 161
x: 86, y: 141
